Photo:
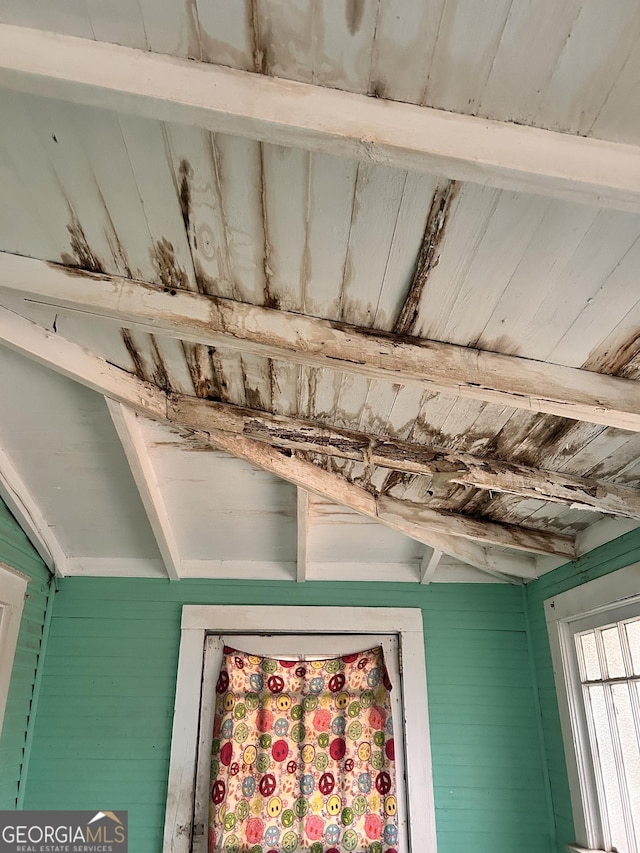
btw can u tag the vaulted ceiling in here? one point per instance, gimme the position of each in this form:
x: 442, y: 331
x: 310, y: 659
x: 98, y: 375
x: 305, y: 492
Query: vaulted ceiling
x: 335, y: 290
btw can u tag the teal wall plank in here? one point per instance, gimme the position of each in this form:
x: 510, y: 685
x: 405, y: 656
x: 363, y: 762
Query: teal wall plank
x: 17, y: 551
x: 608, y: 558
x: 103, y: 729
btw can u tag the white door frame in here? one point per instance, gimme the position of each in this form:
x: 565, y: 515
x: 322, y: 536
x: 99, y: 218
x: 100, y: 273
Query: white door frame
x: 198, y: 621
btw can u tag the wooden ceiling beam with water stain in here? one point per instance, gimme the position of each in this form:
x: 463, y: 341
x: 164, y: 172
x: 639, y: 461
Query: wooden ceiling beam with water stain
x: 435, y: 366
x: 444, y: 465
x: 300, y: 115
x: 434, y: 527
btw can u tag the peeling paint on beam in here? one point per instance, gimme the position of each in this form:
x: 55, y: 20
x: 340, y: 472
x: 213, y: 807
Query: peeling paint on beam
x: 432, y: 527
x: 452, y: 467
x: 493, y: 533
x: 435, y: 528
x: 435, y: 366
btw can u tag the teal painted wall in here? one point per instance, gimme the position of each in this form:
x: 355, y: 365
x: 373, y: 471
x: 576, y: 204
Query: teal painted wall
x: 17, y: 551
x: 608, y: 558
x: 103, y: 728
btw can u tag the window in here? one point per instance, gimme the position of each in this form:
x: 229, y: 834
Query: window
x: 297, y: 631
x: 13, y: 585
x: 594, y: 631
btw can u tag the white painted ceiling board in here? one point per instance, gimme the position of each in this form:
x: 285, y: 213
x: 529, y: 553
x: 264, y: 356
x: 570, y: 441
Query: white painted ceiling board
x: 608, y: 313
x: 118, y: 21
x: 146, y: 144
x: 222, y: 508
x: 193, y: 158
x: 34, y: 172
x: 101, y: 135
x: 601, y: 41
x: 225, y: 33
x: 257, y: 381
x: 285, y: 382
x: 285, y: 179
x: 343, y: 41
x: 450, y: 571
x: 23, y: 13
x: 171, y: 27
x: 93, y: 239
x: 404, y: 30
x: 284, y: 35
x: 551, y: 64
x: 550, y: 307
x: 338, y: 535
x: 561, y: 232
x: 61, y: 440
x: 509, y: 232
x: 101, y: 336
x: 240, y: 177
x: 330, y: 200
x: 468, y: 37
x: 608, y: 453
x: 604, y: 248
x: 61, y: 16
x: 20, y: 231
x: 531, y: 41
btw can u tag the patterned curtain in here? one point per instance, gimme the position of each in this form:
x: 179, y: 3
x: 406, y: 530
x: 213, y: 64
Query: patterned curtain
x: 303, y: 756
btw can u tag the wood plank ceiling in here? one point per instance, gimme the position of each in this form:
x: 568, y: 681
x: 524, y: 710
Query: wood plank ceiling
x: 420, y: 308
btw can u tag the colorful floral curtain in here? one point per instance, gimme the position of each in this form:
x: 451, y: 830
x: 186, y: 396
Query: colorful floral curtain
x: 303, y: 756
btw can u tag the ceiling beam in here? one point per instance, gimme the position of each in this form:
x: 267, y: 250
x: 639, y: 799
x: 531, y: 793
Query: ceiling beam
x: 302, y: 523
x: 435, y: 366
x: 448, y: 466
x: 459, y: 468
x: 301, y: 115
x: 491, y: 533
x: 127, y: 425
x: 328, y: 485
x: 21, y: 504
x: 50, y: 349
x: 488, y: 560
x: 429, y: 564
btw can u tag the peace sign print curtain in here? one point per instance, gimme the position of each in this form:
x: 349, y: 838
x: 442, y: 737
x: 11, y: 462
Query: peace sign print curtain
x: 303, y: 756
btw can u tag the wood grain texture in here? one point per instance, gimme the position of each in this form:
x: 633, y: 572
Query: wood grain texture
x: 440, y: 464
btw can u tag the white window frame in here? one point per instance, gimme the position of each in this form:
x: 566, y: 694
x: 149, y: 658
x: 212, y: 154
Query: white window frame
x: 201, y: 621
x: 565, y: 614
x: 13, y: 587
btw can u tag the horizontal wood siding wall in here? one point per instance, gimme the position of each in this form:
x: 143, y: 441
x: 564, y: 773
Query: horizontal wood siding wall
x: 17, y: 551
x: 614, y: 555
x: 103, y: 730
